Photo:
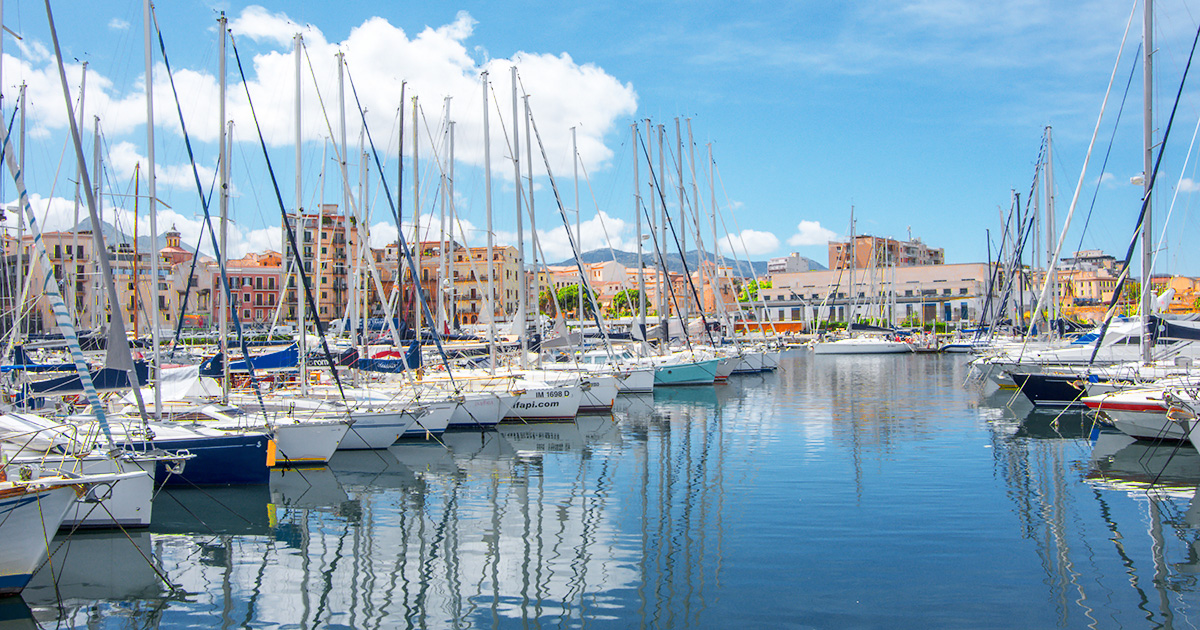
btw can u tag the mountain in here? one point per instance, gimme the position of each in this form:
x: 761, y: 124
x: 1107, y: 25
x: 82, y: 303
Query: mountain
x: 675, y: 261
x: 111, y: 237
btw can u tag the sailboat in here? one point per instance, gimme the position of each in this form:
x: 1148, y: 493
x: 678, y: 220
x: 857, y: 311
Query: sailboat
x: 868, y: 339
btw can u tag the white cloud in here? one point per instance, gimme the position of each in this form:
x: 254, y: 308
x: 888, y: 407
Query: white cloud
x: 751, y: 243
x: 1188, y: 185
x: 117, y: 24
x: 437, y: 62
x: 811, y: 233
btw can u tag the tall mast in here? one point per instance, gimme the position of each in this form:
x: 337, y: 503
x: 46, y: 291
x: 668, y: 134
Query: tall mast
x: 223, y: 336
x: 696, y: 214
x: 516, y: 157
x: 21, y: 215
x: 74, y: 275
x: 637, y: 213
x: 99, y: 171
x: 151, y: 194
x: 683, y: 316
x: 1051, y: 226
x: 664, y: 308
x: 416, y: 144
x: 452, y: 310
x: 303, y: 345
x: 444, y: 246
x: 345, y: 156
x: 537, y: 289
x: 489, y: 300
x: 712, y: 213
x: 578, y: 232
x: 1148, y: 166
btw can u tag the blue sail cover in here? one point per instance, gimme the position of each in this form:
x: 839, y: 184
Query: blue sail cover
x: 23, y: 362
x: 105, y: 380
x: 410, y: 361
x: 285, y: 359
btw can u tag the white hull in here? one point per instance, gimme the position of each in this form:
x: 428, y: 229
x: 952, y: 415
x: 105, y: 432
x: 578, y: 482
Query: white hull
x: 375, y: 429
x: 435, y: 420
x: 482, y: 409
x: 861, y: 345
x: 27, y: 521
x: 543, y: 403
x: 307, y: 441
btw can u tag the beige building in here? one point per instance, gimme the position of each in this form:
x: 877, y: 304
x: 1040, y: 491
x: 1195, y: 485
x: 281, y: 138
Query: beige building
x: 875, y: 251
x: 327, y: 240
x: 930, y: 293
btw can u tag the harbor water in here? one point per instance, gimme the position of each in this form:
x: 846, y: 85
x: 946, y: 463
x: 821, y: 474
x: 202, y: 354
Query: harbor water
x: 885, y: 491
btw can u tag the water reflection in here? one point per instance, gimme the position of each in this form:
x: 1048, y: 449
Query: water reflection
x: 870, y: 491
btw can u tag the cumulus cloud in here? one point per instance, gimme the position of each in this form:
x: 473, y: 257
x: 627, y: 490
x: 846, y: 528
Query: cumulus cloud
x: 749, y: 243
x: 1188, y: 185
x: 117, y: 24
x: 811, y: 233
x: 435, y: 63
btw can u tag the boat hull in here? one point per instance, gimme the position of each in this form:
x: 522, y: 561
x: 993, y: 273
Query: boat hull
x: 376, y: 429
x: 1051, y: 390
x: 29, y: 519
x: 219, y: 460
x: 307, y: 441
x: 697, y: 373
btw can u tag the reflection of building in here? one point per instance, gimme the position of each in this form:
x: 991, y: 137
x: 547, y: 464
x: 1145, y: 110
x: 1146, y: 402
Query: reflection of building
x: 876, y: 251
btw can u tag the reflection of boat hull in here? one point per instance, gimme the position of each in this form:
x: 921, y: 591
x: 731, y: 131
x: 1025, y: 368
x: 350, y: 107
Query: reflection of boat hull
x: 95, y: 566
x: 234, y: 510
x: 1118, y: 459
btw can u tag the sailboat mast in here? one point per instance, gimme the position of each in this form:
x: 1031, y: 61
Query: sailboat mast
x: 416, y: 163
x: 683, y: 317
x: 637, y: 213
x: 444, y: 247
x: 223, y: 335
x: 1051, y: 222
x: 516, y: 157
x: 151, y: 194
x: 1148, y: 166
x: 664, y: 310
x: 537, y: 290
x: 578, y: 232
x: 452, y: 307
x: 300, y: 226
x: 489, y: 300
x: 74, y: 291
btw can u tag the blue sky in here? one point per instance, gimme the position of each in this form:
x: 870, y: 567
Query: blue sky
x: 923, y: 115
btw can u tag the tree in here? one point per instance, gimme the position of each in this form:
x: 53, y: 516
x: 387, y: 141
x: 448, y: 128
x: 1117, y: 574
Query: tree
x: 568, y: 300
x: 546, y: 303
x: 750, y: 290
x: 626, y: 301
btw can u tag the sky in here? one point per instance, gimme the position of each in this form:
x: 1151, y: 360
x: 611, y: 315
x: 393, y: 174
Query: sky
x: 924, y: 116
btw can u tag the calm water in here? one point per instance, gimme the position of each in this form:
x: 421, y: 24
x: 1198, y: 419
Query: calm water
x: 840, y: 492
